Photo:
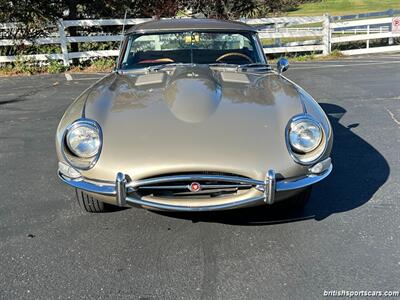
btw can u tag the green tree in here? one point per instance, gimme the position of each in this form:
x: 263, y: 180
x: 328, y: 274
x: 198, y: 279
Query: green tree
x: 33, y: 16
x: 30, y: 17
x: 232, y: 9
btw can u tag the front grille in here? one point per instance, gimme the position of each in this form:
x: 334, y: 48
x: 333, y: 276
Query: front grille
x: 179, y: 185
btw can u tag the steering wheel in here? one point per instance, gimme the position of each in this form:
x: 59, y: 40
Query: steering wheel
x: 234, y: 54
x: 158, y: 60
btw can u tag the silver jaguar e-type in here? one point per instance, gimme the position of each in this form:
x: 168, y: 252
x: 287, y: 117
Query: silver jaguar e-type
x: 193, y: 119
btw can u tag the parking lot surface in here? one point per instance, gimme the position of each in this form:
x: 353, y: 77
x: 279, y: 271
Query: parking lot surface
x: 347, y: 237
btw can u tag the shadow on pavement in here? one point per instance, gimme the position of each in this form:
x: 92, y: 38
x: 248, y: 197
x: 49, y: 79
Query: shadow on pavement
x: 359, y: 171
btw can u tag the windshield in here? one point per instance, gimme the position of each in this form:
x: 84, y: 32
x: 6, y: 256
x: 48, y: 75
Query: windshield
x: 144, y: 50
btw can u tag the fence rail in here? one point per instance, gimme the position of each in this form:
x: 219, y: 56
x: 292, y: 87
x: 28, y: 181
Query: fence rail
x: 367, y: 35
x: 327, y: 30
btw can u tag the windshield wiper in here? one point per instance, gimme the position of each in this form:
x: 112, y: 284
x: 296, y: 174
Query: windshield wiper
x: 254, y: 65
x: 243, y: 67
x: 220, y: 64
x: 162, y: 66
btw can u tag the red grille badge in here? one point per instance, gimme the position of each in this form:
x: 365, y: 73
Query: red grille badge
x: 195, y: 187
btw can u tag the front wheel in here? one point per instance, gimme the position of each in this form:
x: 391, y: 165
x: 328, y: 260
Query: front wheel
x: 90, y: 204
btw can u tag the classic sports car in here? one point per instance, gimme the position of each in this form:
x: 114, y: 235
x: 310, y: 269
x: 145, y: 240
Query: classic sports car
x: 193, y: 119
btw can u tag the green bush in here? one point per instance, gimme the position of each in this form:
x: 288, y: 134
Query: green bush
x: 25, y: 66
x: 55, y: 67
x: 304, y: 57
x: 336, y: 53
x: 6, y: 69
x: 103, y: 64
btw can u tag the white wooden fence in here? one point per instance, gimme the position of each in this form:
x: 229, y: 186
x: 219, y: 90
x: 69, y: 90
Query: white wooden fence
x: 321, y: 31
x: 367, y: 36
x: 282, y: 29
x: 62, y: 39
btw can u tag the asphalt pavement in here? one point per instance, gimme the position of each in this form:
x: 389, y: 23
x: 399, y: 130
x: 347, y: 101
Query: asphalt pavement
x: 347, y: 237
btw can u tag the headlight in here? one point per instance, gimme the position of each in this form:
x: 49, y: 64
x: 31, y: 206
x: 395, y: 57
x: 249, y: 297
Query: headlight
x: 83, y: 139
x: 305, y: 135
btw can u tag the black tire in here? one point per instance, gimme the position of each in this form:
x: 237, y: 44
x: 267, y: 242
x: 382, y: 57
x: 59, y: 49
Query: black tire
x: 298, y: 201
x: 90, y: 204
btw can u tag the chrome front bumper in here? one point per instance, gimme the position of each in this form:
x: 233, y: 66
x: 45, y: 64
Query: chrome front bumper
x: 122, y: 189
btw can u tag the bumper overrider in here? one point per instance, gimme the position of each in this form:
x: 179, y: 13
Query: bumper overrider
x: 123, y: 189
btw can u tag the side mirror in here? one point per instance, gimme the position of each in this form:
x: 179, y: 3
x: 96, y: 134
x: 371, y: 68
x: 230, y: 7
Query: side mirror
x: 282, y: 65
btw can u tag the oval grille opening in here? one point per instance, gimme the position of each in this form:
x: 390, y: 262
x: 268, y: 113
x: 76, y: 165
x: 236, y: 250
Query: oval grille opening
x: 194, y: 185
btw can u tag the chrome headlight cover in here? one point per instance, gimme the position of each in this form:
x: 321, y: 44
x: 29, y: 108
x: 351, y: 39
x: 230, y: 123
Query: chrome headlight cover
x: 76, y: 157
x: 311, y: 154
x: 305, y: 135
x: 83, y: 139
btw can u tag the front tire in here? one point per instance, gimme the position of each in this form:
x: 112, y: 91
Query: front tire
x: 90, y: 204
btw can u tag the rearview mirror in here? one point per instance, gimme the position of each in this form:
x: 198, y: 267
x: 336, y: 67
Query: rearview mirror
x: 282, y: 65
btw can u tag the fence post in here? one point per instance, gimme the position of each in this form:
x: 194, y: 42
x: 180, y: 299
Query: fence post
x: 390, y: 40
x: 326, y: 38
x: 368, y: 34
x: 277, y: 41
x: 63, y: 42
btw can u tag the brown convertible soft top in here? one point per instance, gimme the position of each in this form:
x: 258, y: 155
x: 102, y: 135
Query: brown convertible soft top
x: 189, y: 24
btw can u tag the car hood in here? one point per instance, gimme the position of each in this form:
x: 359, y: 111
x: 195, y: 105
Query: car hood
x: 193, y: 118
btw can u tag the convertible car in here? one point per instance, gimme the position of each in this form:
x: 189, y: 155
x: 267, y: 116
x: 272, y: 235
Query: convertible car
x: 193, y: 119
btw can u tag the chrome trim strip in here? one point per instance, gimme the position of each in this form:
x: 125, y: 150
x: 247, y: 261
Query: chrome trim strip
x: 120, y: 184
x: 107, y: 190
x: 264, y: 187
x: 225, y: 206
x: 163, y: 187
x: 185, y: 187
x: 288, y: 185
x: 194, y: 177
x: 301, y: 96
x: 301, y: 92
x: 270, y: 183
x: 227, y: 186
x: 186, y: 194
x: 120, y: 188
